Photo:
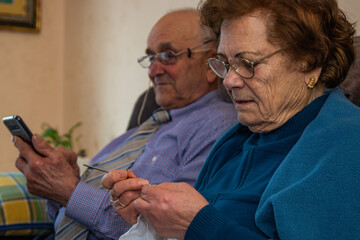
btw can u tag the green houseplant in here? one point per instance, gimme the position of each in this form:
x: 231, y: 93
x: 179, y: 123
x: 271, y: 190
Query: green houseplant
x: 66, y: 140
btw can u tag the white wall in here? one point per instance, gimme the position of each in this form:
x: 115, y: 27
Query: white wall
x: 82, y: 67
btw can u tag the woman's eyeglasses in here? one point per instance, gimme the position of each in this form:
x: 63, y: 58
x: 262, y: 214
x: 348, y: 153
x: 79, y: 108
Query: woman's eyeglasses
x: 170, y: 57
x: 242, y: 66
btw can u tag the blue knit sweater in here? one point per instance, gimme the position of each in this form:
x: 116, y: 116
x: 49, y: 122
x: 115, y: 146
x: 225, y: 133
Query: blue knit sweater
x: 312, y: 192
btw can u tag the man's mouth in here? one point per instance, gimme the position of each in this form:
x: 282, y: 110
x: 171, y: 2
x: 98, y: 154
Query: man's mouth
x: 161, y: 81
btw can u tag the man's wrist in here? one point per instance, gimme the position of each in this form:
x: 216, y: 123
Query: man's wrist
x: 64, y: 198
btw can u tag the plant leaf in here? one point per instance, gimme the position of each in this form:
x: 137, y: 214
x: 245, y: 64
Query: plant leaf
x: 76, y: 125
x: 52, y: 136
x: 66, y: 144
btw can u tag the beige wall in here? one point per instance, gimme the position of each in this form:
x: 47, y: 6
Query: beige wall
x: 352, y: 10
x: 31, y: 77
x: 82, y: 67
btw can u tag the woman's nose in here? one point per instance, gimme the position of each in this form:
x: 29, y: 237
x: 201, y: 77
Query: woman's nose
x: 233, y: 80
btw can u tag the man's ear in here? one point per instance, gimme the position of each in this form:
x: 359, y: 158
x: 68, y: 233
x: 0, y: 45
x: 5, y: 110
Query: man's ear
x: 210, y: 76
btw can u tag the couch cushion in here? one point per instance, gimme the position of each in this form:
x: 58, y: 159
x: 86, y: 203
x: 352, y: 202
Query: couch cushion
x: 351, y: 85
x: 20, y: 212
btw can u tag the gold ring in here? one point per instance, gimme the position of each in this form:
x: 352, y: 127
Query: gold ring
x: 113, y: 203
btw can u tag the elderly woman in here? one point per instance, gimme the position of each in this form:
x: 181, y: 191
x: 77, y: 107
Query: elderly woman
x: 290, y: 168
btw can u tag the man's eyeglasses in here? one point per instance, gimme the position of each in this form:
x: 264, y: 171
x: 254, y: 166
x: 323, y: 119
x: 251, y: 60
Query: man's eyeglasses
x: 242, y: 66
x: 170, y: 57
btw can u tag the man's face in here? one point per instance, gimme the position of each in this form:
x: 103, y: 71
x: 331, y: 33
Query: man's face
x: 185, y: 81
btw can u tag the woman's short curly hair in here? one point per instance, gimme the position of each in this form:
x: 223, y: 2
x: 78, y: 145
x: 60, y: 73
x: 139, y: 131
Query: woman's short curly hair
x: 315, y: 31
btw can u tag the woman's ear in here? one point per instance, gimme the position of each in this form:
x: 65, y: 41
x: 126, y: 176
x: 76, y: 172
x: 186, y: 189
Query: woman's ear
x: 313, y: 74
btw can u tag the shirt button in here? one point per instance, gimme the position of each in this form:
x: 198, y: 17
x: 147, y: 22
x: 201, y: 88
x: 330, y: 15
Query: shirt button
x: 154, y: 159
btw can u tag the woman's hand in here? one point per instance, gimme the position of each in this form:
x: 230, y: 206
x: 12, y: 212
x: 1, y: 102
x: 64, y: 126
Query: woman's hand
x: 170, y: 207
x: 125, y: 188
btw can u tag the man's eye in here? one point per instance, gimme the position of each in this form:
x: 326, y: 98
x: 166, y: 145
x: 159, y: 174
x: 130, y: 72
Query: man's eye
x: 166, y: 55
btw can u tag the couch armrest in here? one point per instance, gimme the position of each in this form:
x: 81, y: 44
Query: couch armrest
x: 21, y: 213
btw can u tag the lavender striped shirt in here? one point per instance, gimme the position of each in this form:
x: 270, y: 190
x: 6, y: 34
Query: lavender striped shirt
x: 175, y: 153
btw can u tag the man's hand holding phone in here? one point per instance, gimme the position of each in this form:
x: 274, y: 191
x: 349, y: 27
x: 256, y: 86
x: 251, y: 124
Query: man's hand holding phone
x: 50, y: 173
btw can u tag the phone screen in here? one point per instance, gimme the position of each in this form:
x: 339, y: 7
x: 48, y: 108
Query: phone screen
x: 18, y: 128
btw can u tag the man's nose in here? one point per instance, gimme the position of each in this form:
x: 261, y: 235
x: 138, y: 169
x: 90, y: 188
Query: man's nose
x: 156, y: 68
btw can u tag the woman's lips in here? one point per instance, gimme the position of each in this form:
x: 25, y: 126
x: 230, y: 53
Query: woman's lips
x: 243, y: 103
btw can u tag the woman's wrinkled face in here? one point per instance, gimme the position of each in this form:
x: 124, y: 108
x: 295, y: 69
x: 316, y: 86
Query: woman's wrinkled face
x: 277, y: 90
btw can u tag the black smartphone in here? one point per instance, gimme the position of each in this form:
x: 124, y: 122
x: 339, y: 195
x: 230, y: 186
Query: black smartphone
x: 18, y: 128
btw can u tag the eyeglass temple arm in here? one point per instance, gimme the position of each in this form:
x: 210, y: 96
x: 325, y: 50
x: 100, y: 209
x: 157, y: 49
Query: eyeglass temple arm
x: 189, y: 50
x: 267, y: 56
x: 197, y: 51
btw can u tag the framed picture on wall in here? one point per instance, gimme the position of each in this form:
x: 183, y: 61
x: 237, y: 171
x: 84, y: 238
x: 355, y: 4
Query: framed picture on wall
x: 20, y: 15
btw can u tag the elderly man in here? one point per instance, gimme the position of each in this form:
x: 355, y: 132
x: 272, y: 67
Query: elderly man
x: 196, y: 115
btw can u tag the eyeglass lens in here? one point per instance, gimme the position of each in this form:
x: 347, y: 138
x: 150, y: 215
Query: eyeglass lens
x: 166, y: 58
x: 219, y: 67
x: 169, y: 58
x: 242, y: 66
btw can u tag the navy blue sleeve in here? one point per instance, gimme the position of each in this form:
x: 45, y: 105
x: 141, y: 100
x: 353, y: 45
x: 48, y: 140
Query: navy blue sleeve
x: 211, y: 224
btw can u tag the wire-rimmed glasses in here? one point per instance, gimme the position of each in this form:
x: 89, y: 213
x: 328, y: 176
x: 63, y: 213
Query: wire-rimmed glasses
x: 170, y: 57
x: 242, y: 66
